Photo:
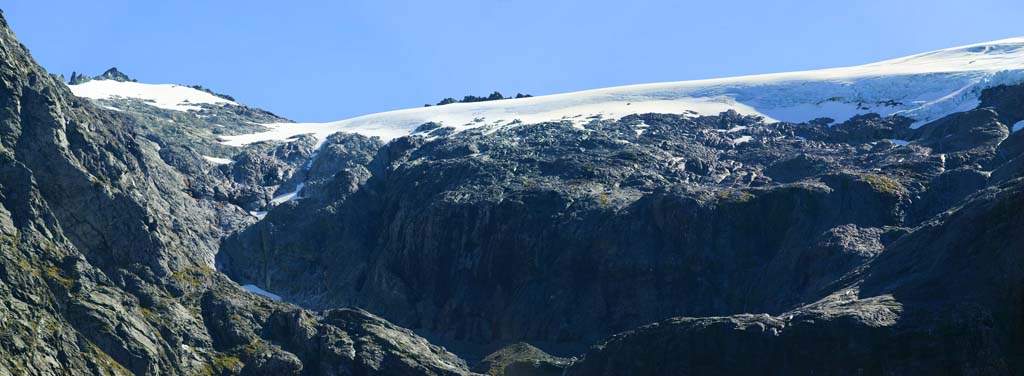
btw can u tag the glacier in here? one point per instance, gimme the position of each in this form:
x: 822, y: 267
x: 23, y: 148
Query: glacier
x: 924, y: 87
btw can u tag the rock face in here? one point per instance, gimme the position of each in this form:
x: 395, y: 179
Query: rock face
x: 550, y: 233
x: 942, y: 299
x: 106, y: 255
x: 478, y: 234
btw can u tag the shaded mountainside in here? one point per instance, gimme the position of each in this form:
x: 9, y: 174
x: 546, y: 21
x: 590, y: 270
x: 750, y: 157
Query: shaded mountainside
x: 562, y: 235
x: 550, y: 232
x: 106, y: 260
x: 646, y: 244
x: 944, y: 299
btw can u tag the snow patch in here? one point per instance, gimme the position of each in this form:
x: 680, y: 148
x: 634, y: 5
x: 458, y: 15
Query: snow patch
x: 641, y: 128
x: 742, y: 139
x: 1018, y: 126
x: 900, y: 142
x: 258, y: 214
x: 290, y: 196
x: 218, y: 161
x: 309, y: 161
x: 256, y: 290
x: 165, y: 96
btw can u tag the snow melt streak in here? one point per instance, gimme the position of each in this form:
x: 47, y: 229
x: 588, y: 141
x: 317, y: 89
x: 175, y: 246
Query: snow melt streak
x: 255, y: 289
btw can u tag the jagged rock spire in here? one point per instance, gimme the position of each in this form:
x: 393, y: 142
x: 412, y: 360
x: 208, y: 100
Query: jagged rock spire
x: 78, y: 78
x: 109, y: 74
x: 114, y: 74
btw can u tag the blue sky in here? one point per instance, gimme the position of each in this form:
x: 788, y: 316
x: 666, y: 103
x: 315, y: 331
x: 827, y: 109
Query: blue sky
x: 327, y: 60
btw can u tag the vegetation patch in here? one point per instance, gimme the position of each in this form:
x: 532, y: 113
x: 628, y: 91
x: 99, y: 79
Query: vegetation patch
x: 221, y: 364
x: 54, y: 273
x: 193, y: 276
x: 226, y: 363
x: 148, y: 313
x: 103, y: 360
x: 12, y: 239
x: 27, y: 266
x: 884, y: 184
x: 255, y: 348
x: 735, y: 196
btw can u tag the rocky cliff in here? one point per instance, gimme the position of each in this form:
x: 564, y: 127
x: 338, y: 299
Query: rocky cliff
x: 562, y: 235
x: 106, y: 260
x: 555, y: 233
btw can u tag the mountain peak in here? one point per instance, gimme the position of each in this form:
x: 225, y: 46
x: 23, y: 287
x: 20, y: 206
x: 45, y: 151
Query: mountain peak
x: 114, y: 74
x: 111, y: 74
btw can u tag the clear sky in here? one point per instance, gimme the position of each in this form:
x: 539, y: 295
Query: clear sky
x: 316, y: 60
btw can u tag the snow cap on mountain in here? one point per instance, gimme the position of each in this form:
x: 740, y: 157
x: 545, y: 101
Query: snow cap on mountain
x: 113, y: 84
x: 923, y: 87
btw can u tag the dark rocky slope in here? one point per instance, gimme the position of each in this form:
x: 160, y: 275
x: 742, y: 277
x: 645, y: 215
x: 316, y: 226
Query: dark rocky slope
x: 945, y: 299
x: 553, y: 234
x: 105, y: 260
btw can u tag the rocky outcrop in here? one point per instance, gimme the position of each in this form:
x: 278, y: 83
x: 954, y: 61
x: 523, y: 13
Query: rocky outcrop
x: 114, y: 75
x: 521, y: 359
x: 78, y: 78
x: 499, y: 198
x: 110, y: 74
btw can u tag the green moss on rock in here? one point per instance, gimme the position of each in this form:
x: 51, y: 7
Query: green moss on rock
x: 884, y: 184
